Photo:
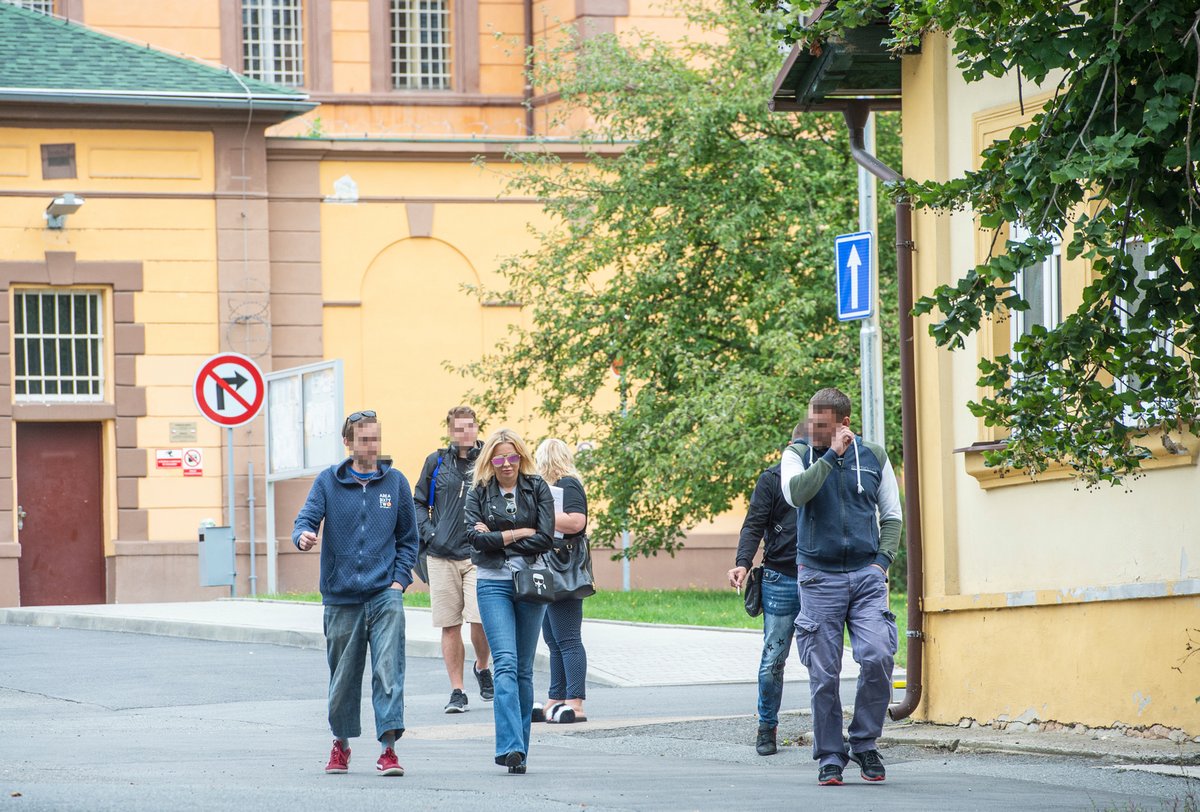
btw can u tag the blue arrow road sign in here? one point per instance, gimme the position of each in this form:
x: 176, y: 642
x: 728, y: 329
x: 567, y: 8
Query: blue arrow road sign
x: 855, y: 297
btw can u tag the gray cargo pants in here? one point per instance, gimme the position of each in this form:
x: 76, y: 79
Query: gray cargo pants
x: 830, y: 601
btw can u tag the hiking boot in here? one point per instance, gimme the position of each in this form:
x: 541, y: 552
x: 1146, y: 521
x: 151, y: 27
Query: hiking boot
x: 457, y: 703
x: 766, y: 741
x: 339, y: 759
x: 388, y: 765
x: 487, y: 689
x: 871, y: 765
x: 830, y: 776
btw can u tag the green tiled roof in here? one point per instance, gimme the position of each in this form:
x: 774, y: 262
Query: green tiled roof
x: 51, y: 59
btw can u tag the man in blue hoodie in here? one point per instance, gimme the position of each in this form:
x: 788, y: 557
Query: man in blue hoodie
x: 369, y: 550
x: 847, y: 533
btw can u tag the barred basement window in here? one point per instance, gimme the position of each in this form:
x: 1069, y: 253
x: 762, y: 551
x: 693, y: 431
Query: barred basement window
x: 273, y: 41
x: 421, y: 44
x: 40, y: 6
x: 58, y: 338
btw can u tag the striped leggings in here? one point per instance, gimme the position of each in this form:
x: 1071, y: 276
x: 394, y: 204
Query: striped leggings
x: 561, y: 630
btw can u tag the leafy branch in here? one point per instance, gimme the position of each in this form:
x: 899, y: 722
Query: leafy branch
x: 697, y: 262
x: 1108, y: 169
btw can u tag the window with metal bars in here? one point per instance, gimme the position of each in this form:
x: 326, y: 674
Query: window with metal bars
x: 58, y: 345
x: 273, y: 41
x: 420, y: 44
x: 40, y: 6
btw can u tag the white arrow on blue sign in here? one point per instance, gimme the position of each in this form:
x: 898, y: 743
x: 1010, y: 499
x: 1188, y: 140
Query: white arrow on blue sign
x: 855, y: 297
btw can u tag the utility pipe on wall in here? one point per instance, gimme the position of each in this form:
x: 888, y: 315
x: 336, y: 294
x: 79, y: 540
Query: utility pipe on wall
x: 528, y: 68
x: 856, y: 114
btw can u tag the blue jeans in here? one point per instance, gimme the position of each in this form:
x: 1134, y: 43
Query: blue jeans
x: 780, y: 602
x: 349, y: 629
x: 568, y: 659
x: 512, y: 628
x: 832, y: 602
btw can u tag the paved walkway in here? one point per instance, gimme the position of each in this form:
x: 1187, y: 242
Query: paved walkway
x: 619, y: 654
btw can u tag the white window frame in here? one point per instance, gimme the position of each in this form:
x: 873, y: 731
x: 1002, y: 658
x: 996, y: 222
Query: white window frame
x: 423, y: 61
x: 277, y: 45
x: 40, y: 6
x: 1138, y: 250
x: 27, y: 342
x: 1051, y: 267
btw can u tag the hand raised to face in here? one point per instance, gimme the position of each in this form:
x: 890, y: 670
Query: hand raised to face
x: 842, y: 438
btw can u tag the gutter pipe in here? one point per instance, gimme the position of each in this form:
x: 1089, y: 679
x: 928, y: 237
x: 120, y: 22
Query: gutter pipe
x: 528, y: 10
x: 856, y: 113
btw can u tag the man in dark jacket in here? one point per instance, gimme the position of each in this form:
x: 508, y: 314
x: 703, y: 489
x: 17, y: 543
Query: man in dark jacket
x: 440, y: 499
x: 369, y: 549
x: 848, y: 531
x: 772, y: 521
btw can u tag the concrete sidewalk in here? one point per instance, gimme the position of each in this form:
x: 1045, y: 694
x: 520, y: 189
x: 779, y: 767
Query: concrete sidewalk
x: 619, y: 654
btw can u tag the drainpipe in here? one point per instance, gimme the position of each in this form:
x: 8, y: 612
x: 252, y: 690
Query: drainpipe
x: 528, y: 68
x: 856, y: 114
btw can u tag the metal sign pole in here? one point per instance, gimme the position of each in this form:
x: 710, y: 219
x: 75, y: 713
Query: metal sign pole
x: 272, y: 547
x: 230, y: 514
x: 869, y: 337
x: 250, y: 516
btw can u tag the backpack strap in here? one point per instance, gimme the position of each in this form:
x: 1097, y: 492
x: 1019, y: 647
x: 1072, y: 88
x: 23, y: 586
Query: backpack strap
x: 433, y: 483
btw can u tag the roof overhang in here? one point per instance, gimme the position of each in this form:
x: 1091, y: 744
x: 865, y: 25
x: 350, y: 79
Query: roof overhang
x: 280, y: 105
x: 854, y: 66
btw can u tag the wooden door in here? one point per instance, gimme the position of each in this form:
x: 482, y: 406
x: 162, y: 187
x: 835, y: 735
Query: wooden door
x: 60, y: 472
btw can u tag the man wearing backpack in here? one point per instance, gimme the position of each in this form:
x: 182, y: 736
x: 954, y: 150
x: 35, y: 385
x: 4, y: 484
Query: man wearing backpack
x: 440, y: 499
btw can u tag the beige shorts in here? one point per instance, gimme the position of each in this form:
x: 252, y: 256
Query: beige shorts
x: 452, y: 592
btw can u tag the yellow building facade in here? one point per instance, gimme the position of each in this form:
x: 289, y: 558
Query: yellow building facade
x: 332, y: 210
x: 1042, y: 599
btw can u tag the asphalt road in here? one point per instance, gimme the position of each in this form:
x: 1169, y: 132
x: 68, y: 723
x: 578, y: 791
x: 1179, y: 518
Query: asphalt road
x: 105, y: 721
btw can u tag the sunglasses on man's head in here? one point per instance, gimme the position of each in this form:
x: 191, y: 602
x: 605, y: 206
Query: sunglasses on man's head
x: 354, y: 418
x: 511, y: 459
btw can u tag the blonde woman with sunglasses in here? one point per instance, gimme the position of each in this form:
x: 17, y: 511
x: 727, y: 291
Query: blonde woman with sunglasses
x: 510, y: 521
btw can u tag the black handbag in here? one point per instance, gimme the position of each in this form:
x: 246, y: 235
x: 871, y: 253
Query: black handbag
x: 754, y: 592
x: 534, y: 584
x: 571, y: 565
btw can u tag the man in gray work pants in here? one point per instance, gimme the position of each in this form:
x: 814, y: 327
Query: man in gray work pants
x: 847, y: 533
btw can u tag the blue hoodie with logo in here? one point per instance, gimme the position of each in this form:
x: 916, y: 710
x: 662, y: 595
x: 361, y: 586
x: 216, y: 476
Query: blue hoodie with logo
x: 370, y: 536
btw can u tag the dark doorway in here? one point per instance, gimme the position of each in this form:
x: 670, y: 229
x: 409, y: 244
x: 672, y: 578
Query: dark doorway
x: 60, y: 474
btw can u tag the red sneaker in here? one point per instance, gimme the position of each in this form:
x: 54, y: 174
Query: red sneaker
x: 339, y: 759
x: 388, y: 765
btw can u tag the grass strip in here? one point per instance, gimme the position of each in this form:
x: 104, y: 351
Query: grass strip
x: 683, y: 607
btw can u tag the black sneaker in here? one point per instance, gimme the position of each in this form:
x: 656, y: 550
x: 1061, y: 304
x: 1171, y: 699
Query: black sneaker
x: 487, y: 689
x: 515, y: 762
x: 457, y: 703
x: 766, y: 741
x: 830, y: 776
x: 871, y: 765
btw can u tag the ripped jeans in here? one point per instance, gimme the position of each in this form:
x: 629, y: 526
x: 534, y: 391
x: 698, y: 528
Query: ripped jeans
x: 781, y: 602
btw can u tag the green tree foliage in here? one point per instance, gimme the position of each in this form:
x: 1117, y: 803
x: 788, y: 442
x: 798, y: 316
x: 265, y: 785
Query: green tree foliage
x: 1109, y: 168
x: 695, y: 251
